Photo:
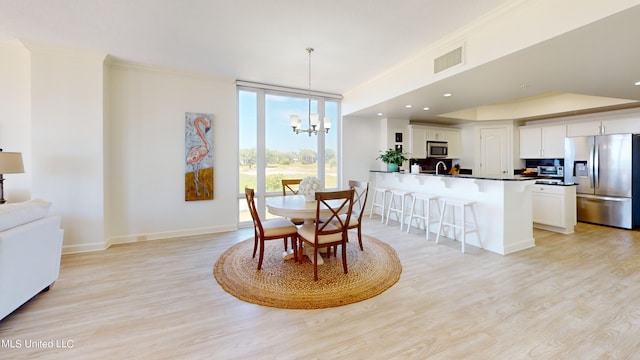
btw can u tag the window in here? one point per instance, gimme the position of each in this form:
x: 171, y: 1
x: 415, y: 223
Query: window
x: 269, y: 150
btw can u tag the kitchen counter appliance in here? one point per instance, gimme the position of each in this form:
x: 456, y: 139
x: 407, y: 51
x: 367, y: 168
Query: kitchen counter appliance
x: 604, y: 168
x: 551, y: 171
x: 437, y: 149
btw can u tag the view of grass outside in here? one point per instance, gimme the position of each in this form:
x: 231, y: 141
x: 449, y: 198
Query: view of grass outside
x: 282, y: 170
x: 274, y: 175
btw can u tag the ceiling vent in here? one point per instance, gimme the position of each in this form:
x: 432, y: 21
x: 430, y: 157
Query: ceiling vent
x: 452, y: 58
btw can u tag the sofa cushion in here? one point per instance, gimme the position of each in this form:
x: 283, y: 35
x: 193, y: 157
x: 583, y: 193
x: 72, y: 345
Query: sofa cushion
x: 14, y: 214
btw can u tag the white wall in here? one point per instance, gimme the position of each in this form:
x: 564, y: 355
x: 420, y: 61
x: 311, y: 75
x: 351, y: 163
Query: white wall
x: 67, y: 140
x: 15, y: 107
x: 146, y: 153
x: 105, y: 144
x: 359, y: 148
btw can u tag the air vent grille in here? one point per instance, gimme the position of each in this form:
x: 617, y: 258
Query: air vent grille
x: 452, y: 58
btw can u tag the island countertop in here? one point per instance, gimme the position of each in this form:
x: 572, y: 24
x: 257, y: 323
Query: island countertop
x: 503, y: 206
x: 502, y: 178
x: 540, y: 180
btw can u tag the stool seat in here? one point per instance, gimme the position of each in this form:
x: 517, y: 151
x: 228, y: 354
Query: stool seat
x: 450, y: 204
x: 425, y: 211
x: 396, y: 208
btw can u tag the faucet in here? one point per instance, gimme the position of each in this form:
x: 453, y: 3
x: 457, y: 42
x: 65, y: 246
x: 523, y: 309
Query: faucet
x: 438, y: 166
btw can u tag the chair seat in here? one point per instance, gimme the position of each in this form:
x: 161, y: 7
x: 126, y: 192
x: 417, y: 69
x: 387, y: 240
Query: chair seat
x: 278, y: 227
x: 353, y: 221
x: 308, y: 232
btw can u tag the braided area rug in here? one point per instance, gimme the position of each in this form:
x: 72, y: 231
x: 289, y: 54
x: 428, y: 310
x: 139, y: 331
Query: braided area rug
x: 289, y: 285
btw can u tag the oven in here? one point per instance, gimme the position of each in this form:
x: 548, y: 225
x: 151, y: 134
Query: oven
x: 551, y: 171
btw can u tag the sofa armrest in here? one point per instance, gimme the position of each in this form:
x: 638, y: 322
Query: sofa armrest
x: 29, y: 261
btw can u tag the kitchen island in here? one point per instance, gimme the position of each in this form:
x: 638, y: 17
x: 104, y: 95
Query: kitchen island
x: 503, y: 206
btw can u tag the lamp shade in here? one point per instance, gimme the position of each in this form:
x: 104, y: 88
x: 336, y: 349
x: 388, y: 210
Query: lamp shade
x: 11, y: 163
x: 295, y: 121
x: 327, y: 123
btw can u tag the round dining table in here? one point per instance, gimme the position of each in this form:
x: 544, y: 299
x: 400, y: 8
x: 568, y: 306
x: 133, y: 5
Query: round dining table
x: 295, y: 206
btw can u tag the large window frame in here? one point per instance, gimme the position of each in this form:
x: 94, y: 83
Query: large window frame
x: 262, y: 92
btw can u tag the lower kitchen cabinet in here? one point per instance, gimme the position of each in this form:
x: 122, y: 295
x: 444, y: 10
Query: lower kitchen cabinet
x: 554, y: 207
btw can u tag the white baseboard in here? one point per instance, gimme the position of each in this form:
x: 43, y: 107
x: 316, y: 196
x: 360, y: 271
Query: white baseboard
x: 126, y: 239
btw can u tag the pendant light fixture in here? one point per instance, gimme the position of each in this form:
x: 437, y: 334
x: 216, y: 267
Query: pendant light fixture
x: 313, y: 125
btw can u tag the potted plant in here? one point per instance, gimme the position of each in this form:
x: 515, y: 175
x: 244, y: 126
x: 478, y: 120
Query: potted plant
x: 392, y: 158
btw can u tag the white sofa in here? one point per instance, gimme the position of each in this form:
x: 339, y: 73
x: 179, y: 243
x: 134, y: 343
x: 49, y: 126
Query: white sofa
x: 30, y: 250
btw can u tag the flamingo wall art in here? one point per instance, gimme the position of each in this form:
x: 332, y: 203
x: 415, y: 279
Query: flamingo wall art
x: 198, y: 171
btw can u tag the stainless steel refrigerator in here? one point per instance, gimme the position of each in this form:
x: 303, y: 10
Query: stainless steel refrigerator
x: 605, y: 167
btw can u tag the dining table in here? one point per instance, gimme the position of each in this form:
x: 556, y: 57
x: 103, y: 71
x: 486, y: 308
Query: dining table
x: 296, y: 206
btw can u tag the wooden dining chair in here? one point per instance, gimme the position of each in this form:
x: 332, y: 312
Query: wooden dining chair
x: 361, y: 192
x: 289, y: 186
x: 273, y: 229
x: 331, y: 232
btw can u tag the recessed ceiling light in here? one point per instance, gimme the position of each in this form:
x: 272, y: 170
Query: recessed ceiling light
x: 408, y: 106
x: 447, y: 94
x: 379, y: 114
x: 425, y: 108
x: 637, y: 83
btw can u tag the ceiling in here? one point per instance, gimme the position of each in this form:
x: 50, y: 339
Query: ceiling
x: 265, y: 41
x: 593, y: 68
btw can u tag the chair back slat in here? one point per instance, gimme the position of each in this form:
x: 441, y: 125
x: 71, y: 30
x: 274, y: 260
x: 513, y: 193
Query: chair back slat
x: 250, y: 195
x: 337, y: 202
x: 361, y: 192
x: 289, y: 186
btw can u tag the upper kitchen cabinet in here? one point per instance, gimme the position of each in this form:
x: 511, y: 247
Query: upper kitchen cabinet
x: 436, y: 134
x: 605, y: 127
x: 545, y: 142
x: 417, y: 141
x: 454, y: 139
x: 419, y: 135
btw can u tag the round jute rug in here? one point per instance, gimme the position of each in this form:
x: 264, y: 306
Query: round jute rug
x: 289, y: 285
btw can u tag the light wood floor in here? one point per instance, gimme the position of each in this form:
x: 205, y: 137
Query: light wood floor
x: 571, y: 297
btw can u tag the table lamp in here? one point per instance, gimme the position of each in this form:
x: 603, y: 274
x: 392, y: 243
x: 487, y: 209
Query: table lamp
x: 10, y: 163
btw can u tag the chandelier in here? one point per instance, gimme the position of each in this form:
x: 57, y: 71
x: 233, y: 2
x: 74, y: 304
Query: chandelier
x: 313, y: 126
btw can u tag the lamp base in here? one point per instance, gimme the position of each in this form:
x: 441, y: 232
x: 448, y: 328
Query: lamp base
x: 2, y: 200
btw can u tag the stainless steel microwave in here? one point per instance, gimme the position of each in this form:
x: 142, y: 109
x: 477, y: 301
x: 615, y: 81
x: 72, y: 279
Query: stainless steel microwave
x: 437, y: 149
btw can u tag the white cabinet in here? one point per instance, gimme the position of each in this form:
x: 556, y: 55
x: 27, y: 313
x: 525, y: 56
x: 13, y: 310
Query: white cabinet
x: 454, y: 139
x: 546, y: 142
x: 417, y: 141
x: 605, y: 127
x: 530, y: 141
x: 419, y: 135
x: 584, y: 129
x: 554, y: 207
x: 622, y: 126
x: 436, y: 134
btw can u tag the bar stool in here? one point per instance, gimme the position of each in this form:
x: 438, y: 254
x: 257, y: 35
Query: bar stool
x: 425, y: 211
x: 463, y: 205
x: 393, y: 206
x: 383, y: 192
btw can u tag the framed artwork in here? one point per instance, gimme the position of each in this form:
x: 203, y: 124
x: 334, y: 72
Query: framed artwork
x: 198, y: 170
x: 398, y: 137
x: 399, y: 147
